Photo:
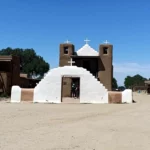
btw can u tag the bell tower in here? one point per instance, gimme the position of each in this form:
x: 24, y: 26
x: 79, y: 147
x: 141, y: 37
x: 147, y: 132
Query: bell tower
x: 66, y: 50
x: 106, y: 68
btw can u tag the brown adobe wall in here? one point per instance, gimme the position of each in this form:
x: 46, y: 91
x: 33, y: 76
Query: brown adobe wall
x: 27, y: 94
x: 64, y: 58
x: 5, y: 82
x: 63, y: 61
x: 105, y: 73
x: 15, y: 70
x: 10, y: 70
x: 115, y: 97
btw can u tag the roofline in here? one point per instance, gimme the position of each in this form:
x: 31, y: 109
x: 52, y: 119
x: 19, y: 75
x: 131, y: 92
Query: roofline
x: 7, y: 57
x: 76, y: 56
x: 106, y: 44
x: 66, y: 44
x: 147, y: 82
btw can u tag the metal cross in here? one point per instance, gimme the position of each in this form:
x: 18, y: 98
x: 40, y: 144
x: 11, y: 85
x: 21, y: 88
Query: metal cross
x: 86, y: 41
x: 67, y: 41
x: 106, y: 42
x: 71, y: 62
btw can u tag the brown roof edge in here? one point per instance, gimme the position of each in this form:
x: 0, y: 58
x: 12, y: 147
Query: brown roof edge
x: 76, y: 56
x: 147, y: 82
x: 6, y: 58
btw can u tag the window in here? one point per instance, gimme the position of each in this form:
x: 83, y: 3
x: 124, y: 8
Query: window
x: 66, y: 50
x: 105, y: 50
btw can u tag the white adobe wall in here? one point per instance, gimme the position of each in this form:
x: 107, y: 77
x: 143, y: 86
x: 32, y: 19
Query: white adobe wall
x: 49, y: 88
x: 15, y: 94
x: 127, y: 96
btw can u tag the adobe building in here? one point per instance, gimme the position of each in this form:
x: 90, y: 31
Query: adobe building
x: 9, y: 73
x: 147, y: 86
x: 98, y: 63
x: 90, y: 68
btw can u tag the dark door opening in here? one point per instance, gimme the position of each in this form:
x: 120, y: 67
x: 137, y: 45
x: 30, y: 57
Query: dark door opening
x: 76, y: 81
x: 70, y: 89
x: 86, y: 65
x: 148, y: 89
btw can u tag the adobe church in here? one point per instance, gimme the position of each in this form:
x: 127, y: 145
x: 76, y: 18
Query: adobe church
x: 92, y: 71
x: 98, y: 63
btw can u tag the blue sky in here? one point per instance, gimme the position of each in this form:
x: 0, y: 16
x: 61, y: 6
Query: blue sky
x: 43, y: 25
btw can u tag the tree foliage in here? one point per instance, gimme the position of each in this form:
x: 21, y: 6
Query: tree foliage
x: 121, y: 88
x: 114, y: 83
x: 30, y: 62
x: 136, y: 80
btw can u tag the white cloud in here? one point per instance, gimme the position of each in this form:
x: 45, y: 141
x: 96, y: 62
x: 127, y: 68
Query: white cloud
x: 121, y: 70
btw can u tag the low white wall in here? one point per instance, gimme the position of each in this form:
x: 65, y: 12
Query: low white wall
x: 49, y: 88
x: 15, y: 94
x: 127, y: 96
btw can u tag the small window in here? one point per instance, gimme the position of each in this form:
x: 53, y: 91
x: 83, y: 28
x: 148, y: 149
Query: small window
x: 66, y: 50
x: 105, y: 50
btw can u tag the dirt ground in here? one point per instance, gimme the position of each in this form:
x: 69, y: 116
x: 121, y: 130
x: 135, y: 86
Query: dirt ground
x: 28, y: 126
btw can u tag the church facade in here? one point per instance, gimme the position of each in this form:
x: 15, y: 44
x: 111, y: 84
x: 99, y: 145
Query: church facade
x: 98, y: 63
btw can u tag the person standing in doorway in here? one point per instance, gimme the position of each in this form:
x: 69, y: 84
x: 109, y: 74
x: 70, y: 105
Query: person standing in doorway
x: 77, y: 91
x: 73, y: 87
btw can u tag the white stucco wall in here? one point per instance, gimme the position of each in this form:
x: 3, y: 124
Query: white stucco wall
x: 87, y: 50
x: 49, y: 88
x: 15, y: 94
x: 127, y: 96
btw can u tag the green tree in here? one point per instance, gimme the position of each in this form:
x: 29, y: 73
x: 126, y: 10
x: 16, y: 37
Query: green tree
x: 114, y: 83
x: 121, y: 88
x: 30, y: 62
x: 136, y: 80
